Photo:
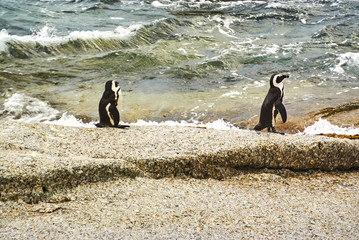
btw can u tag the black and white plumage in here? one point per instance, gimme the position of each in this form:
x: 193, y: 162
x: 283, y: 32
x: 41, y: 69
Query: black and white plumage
x: 108, y: 106
x: 272, y: 104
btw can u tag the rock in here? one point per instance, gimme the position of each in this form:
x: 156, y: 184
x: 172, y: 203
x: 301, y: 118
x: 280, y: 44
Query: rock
x: 44, y: 159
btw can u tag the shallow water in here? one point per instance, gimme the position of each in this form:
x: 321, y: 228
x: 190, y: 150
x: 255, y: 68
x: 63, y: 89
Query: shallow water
x: 175, y: 60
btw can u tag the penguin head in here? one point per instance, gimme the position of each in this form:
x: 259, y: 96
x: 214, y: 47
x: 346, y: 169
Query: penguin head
x: 276, y: 80
x: 114, y: 87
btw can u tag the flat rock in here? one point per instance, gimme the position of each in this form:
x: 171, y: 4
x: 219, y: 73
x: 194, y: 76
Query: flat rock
x: 37, y: 160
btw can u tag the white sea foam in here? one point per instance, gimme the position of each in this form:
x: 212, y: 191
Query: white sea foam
x: 219, y: 124
x: 226, y: 33
x: 291, y: 4
x: 293, y: 47
x: 70, y: 121
x: 28, y: 109
x: 231, y: 94
x: 271, y: 49
x: 226, y: 4
x: 323, y: 126
x: 259, y: 83
x: 221, y: 5
x: 275, y: 5
x: 226, y: 22
x: 117, y: 18
x: 23, y: 108
x: 158, y: 4
x: 182, y: 51
x: 47, y: 36
x: 4, y: 38
x: 349, y: 59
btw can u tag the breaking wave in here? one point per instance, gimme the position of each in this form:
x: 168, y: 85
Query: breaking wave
x: 46, y: 42
x: 347, y: 61
x: 27, y: 109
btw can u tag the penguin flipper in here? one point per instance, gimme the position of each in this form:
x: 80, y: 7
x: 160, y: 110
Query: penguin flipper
x: 282, y: 111
x: 114, y: 114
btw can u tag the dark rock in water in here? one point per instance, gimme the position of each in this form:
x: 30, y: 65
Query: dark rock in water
x: 339, y: 109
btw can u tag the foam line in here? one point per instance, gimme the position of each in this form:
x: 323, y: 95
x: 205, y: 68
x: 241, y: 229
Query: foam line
x: 323, y: 126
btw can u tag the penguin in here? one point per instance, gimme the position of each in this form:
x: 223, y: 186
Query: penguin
x: 108, y: 106
x: 272, y: 104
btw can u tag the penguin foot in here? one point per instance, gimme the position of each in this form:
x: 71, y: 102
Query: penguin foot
x: 100, y: 125
x: 259, y: 127
x: 273, y: 130
x: 122, y: 126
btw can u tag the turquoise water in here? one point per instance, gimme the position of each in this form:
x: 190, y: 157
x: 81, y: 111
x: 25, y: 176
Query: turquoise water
x: 175, y: 60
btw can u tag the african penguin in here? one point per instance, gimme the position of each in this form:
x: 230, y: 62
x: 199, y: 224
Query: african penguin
x: 108, y: 106
x: 272, y: 104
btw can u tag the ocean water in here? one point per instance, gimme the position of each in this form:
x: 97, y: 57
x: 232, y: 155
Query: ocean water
x: 176, y: 61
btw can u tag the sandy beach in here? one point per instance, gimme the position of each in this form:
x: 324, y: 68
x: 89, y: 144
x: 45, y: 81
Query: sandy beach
x: 175, y: 182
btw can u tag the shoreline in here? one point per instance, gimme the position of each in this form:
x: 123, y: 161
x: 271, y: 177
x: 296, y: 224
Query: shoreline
x: 37, y: 160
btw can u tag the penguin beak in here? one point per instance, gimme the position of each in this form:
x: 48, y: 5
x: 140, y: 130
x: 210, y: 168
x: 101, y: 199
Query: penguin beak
x: 281, y: 78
